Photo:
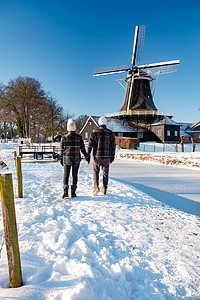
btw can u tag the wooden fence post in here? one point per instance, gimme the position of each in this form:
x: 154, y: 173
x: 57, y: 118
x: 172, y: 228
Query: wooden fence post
x: 182, y: 147
x: 163, y: 147
x: 15, y: 154
x: 19, y: 176
x: 176, y: 148
x: 10, y: 229
x: 182, y: 143
x: 193, y: 144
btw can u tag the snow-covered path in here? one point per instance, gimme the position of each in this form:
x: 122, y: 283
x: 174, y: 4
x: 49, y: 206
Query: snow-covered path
x: 176, y: 186
x: 124, y: 245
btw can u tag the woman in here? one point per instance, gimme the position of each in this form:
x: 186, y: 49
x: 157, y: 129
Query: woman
x: 70, y: 147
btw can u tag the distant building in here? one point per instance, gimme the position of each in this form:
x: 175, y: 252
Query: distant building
x: 121, y: 128
x: 165, y: 130
x: 194, y: 131
x: 184, y: 135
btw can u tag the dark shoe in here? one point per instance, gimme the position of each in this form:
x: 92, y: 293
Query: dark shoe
x: 73, y: 194
x: 65, y: 195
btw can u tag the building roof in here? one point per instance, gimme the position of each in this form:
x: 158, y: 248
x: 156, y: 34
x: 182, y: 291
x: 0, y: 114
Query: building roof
x: 114, y: 124
x: 195, y: 127
x: 184, y: 133
x: 165, y: 120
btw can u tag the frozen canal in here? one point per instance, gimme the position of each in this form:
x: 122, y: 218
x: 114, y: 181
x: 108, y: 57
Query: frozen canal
x: 175, y: 186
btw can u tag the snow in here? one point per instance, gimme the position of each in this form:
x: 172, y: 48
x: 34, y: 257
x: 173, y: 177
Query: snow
x: 125, y: 245
x: 116, y: 125
x: 166, y: 120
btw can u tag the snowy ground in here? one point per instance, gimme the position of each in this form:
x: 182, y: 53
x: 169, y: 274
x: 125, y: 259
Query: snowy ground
x: 124, y: 245
x: 183, y: 159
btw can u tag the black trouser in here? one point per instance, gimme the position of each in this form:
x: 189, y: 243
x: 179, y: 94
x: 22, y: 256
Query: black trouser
x: 67, y: 168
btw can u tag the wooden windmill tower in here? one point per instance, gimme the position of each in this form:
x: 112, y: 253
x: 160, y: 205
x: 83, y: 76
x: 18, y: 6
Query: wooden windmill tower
x: 138, y: 101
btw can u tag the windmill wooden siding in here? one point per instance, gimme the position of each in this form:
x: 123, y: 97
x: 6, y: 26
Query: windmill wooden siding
x: 165, y: 133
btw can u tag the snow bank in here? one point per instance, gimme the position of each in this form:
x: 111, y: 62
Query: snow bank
x: 124, y: 245
x: 189, y: 159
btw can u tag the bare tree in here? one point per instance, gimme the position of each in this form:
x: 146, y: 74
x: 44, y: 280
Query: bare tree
x: 6, y: 116
x: 80, y: 121
x: 23, y: 96
x: 55, y: 119
x: 35, y: 112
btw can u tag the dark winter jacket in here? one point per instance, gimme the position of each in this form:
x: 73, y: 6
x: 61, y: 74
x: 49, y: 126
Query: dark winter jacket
x: 102, y: 141
x: 70, y: 146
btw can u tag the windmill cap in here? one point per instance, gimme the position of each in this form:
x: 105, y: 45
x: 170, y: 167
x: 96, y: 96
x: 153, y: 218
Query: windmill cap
x: 71, y: 125
x: 102, y: 121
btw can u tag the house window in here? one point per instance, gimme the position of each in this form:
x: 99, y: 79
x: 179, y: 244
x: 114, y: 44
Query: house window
x: 86, y: 135
x: 176, y: 133
x: 140, y: 135
x: 159, y: 132
x: 168, y: 132
x: 120, y: 134
x: 90, y: 123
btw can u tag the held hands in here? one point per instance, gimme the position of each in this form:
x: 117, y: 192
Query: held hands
x: 112, y: 159
x: 88, y: 158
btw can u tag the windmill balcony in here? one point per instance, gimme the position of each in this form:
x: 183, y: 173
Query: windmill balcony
x: 139, y: 113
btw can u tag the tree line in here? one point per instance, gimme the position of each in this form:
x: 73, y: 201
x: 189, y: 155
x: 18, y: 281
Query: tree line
x: 34, y: 113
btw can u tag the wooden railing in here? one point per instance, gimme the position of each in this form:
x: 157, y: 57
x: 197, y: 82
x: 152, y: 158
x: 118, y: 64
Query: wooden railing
x: 41, y: 150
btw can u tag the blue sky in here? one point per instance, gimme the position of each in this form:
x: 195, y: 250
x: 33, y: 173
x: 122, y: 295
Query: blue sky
x: 60, y: 43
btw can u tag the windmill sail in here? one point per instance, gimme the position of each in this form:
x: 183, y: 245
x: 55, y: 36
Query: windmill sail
x: 138, y: 92
x: 110, y: 70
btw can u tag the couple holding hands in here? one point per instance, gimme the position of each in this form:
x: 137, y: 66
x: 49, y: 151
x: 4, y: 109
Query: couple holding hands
x: 102, y: 142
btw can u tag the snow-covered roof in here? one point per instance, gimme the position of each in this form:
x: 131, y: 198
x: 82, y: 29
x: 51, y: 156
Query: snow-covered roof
x: 116, y: 125
x: 195, y: 127
x: 184, y: 133
x: 184, y: 126
x: 166, y: 120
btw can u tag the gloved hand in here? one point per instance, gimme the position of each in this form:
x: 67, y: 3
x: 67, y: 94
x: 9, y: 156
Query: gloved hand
x: 61, y: 161
x: 112, y: 159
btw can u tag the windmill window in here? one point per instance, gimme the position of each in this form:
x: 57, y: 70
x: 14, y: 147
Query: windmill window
x: 86, y: 135
x: 176, y: 133
x: 140, y: 135
x: 159, y: 132
x: 168, y: 132
x: 120, y: 134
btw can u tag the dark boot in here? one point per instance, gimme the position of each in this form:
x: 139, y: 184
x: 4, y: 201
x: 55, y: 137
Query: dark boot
x: 73, y: 194
x: 65, y: 194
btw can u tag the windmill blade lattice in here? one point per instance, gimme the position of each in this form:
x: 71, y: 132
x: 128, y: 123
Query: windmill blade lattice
x: 110, y: 70
x: 162, y: 70
x: 140, y: 46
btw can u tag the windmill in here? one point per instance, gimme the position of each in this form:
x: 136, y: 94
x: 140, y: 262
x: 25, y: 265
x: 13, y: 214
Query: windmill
x: 139, y: 99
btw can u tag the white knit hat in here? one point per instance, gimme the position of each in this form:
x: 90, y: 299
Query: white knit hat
x: 71, y: 125
x: 102, y: 121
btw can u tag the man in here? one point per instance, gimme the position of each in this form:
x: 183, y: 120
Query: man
x: 70, y: 157
x: 102, y: 141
